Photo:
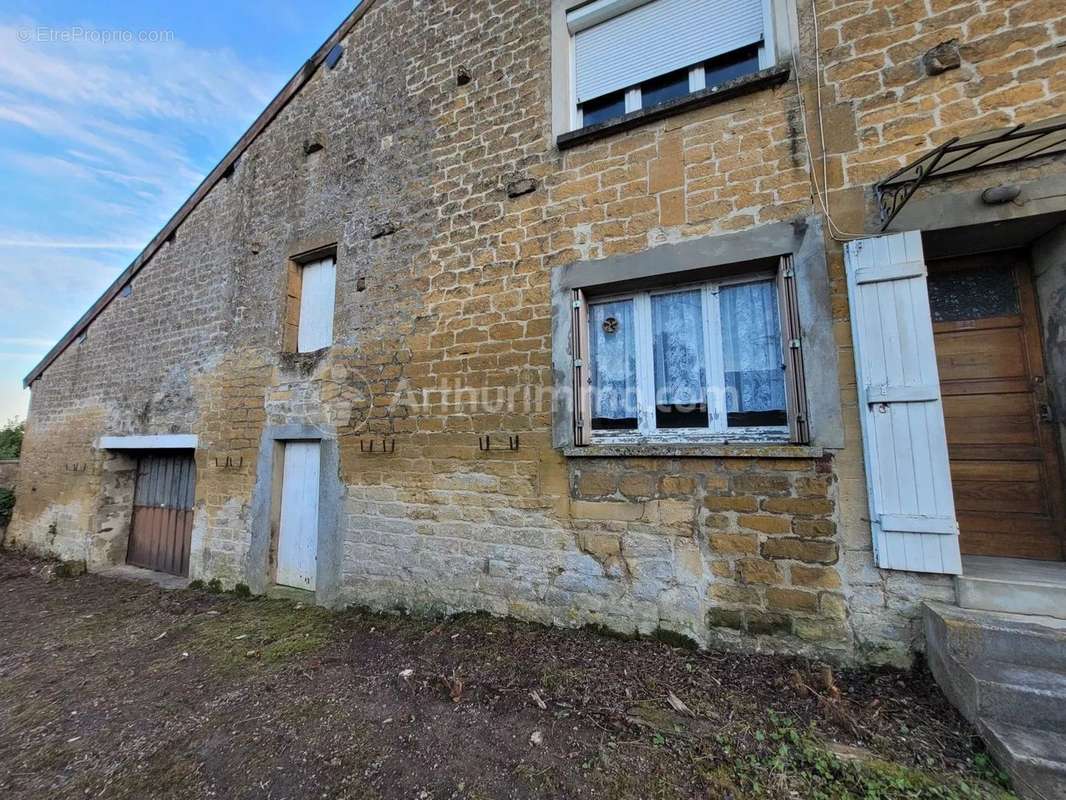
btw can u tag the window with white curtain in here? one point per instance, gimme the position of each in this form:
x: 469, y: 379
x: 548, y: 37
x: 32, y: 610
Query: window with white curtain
x: 628, y: 55
x: 716, y: 360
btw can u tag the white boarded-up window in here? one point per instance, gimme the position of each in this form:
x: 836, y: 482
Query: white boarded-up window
x: 318, y: 287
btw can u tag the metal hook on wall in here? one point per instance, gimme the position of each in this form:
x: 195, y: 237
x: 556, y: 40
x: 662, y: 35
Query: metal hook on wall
x: 484, y: 443
x: 230, y: 464
x: 388, y: 446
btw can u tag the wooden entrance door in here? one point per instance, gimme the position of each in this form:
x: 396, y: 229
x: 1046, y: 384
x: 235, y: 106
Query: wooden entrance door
x: 161, y: 533
x: 1004, y: 460
x: 298, y: 530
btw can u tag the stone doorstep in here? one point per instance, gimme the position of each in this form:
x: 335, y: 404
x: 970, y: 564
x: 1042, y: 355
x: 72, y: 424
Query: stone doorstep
x: 1022, y: 639
x: 125, y: 572
x: 1007, y: 675
x: 277, y: 591
x: 1013, y: 585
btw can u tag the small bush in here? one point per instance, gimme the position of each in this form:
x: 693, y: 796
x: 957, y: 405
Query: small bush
x: 214, y: 586
x: 7, y: 502
x: 242, y: 591
x: 196, y: 584
x: 11, y: 438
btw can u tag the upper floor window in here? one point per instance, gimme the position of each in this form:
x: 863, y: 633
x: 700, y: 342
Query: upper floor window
x: 627, y: 55
x: 310, y: 303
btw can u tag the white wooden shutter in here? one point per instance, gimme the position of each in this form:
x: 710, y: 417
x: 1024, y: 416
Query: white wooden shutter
x: 659, y: 37
x: 912, y: 511
x: 317, y: 298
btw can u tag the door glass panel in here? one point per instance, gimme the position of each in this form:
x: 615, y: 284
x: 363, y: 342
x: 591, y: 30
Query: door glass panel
x: 956, y: 295
x: 751, y: 345
x: 680, y: 361
x: 613, y: 365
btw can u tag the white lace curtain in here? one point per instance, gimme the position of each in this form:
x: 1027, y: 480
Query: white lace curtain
x: 751, y: 334
x: 613, y: 351
x: 680, y: 366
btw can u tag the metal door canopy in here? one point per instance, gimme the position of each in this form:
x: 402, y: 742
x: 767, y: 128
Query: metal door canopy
x: 967, y: 154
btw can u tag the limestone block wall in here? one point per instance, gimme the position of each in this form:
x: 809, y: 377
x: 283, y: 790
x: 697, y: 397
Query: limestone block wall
x: 444, y: 332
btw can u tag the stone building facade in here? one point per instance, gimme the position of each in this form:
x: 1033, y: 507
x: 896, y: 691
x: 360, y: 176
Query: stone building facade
x: 430, y: 161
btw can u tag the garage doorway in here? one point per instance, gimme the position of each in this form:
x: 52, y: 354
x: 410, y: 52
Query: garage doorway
x: 1005, y: 466
x: 161, y: 531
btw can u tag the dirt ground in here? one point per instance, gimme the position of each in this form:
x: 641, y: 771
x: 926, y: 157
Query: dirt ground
x: 121, y: 690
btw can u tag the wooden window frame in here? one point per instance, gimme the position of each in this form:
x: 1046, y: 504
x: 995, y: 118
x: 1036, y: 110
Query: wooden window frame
x: 797, y: 429
x: 290, y: 336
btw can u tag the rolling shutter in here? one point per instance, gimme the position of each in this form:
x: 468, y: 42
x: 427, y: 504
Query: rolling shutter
x: 912, y: 512
x: 660, y: 37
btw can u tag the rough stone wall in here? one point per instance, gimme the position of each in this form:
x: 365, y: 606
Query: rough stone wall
x: 443, y: 285
x: 898, y: 78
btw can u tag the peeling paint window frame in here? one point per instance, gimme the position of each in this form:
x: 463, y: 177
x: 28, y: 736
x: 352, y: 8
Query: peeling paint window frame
x: 294, y: 310
x: 717, y: 431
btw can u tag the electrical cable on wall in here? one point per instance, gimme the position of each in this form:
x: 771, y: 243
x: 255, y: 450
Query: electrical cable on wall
x: 838, y: 233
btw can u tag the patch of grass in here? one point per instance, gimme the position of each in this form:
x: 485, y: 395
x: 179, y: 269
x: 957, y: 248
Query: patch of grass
x: 783, y: 757
x: 196, y: 585
x: 242, y: 591
x: 214, y: 586
x: 262, y: 631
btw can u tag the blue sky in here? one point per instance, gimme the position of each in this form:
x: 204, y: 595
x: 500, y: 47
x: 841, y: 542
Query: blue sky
x: 101, y: 141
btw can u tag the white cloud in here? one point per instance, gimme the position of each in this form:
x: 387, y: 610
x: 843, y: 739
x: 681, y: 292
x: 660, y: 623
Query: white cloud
x: 26, y: 341
x: 52, y: 244
x: 168, y: 80
x: 104, y: 142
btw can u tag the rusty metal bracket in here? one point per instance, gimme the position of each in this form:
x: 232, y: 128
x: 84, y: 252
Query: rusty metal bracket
x: 484, y: 443
x: 230, y: 463
x: 388, y: 446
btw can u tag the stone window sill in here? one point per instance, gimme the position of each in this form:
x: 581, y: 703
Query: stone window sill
x: 745, y: 450
x: 748, y: 84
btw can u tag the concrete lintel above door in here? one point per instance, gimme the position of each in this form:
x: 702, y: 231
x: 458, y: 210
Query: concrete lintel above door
x: 168, y: 441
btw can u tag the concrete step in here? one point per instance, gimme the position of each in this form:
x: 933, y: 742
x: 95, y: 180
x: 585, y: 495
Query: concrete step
x: 1021, y: 694
x: 973, y: 635
x: 1033, y: 757
x: 1006, y: 673
x: 1013, y: 586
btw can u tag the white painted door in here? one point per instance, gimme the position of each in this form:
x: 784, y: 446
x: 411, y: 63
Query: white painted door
x: 912, y: 511
x: 318, y: 289
x: 298, y: 535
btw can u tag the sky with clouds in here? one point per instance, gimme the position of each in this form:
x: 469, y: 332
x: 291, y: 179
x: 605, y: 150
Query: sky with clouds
x: 110, y: 114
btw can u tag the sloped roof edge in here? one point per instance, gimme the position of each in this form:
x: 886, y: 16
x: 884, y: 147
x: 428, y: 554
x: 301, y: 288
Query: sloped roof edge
x: 287, y: 93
